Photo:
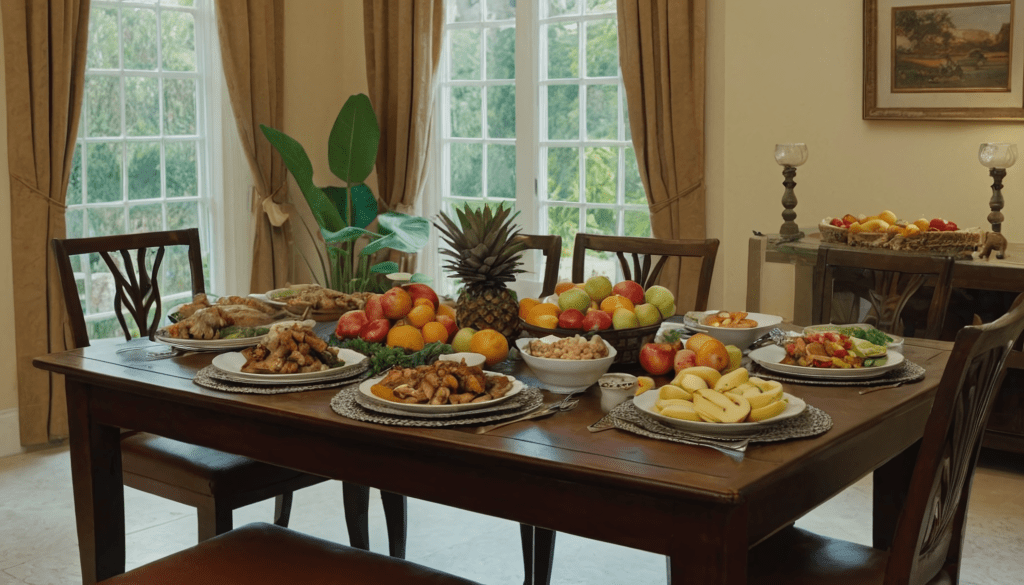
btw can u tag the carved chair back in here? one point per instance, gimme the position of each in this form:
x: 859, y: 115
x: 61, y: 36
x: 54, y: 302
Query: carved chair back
x: 551, y: 248
x: 136, y: 285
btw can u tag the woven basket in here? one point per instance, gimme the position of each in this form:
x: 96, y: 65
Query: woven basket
x: 833, y: 234
x: 627, y: 342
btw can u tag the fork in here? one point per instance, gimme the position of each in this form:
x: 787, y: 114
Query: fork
x: 566, y: 404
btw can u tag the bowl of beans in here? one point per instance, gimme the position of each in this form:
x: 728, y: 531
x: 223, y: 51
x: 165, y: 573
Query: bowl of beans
x: 567, y: 364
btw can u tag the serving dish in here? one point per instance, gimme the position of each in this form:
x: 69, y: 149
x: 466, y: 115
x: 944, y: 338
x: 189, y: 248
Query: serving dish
x: 231, y: 365
x: 645, y: 404
x: 740, y: 337
x: 365, y: 388
x: 769, y: 357
x: 565, y: 376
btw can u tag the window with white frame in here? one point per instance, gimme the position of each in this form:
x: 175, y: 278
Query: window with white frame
x: 140, y: 162
x: 533, y: 113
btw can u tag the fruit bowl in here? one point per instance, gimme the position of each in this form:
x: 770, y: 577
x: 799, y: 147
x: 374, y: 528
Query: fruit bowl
x: 627, y: 342
x: 740, y: 337
x: 565, y: 376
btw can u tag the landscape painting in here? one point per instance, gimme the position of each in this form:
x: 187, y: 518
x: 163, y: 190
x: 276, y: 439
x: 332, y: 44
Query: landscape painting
x: 960, y: 47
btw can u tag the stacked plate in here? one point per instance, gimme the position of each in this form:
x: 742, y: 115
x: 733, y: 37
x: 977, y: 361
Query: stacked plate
x: 228, y: 367
x: 508, y: 405
x: 207, y: 344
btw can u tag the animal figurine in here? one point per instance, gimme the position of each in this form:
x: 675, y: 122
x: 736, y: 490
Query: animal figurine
x: 993, y: 241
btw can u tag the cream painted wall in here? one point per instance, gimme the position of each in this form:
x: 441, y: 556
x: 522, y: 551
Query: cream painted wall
x: 8, y: 382
x: 799, y: 80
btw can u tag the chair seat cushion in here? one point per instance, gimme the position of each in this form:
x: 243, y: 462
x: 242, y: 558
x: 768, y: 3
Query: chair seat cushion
x: 799, y: 557
x: 197, y: 469
x: 261, y: 553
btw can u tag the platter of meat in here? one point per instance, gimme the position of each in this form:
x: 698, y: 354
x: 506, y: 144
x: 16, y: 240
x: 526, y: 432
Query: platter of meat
x: 230, y: 322
x: 440, y: 388
x: 313, y: 301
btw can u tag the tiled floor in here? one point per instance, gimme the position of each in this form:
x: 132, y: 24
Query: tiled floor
x: 38, y: 544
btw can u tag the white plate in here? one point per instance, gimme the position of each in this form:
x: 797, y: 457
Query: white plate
x: 645, y: 404
x: 895, y: 344
x: 231, y: 364
x: 769, y: 357
x: 265, y: 299
x: 208, y: 344
x: 364, y: 388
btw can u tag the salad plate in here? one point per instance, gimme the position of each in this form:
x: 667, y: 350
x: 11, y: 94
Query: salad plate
x: 770, y: 357
x: 857, y: 330
x: 645, y: 404
x: 367, y: 385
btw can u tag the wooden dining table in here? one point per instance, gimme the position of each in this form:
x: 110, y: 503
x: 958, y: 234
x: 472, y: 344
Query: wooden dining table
x: 700, y: 507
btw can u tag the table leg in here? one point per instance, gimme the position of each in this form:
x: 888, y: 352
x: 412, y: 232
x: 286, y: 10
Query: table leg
x: 98, y: 489
x: 538, y: 554
x: 755, y: 264
x: 889, y: 492
x: 717, y: 557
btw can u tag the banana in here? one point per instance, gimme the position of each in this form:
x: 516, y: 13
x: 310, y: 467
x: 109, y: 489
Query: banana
x: 663, y: 403
x: 708, y: 374
x: 732, y: 379
x: 756, y: 396
x: 766, y: 412
x: 684, y: 410
x: 670, y: 391
x: 718, y: 407
x: 692, y: 383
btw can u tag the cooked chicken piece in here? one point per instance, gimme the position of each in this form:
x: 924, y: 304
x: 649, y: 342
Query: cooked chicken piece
x: 199, y: 301
x: 248, y: 302
x: 440, y: 397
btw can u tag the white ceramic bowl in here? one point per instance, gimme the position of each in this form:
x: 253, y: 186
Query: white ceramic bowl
x: 472, y: 359
x: 741, y: 338
x: 565, y: 376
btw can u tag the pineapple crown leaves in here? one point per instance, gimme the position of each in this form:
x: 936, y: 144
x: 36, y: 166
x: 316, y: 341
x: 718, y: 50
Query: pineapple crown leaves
x: 483, y: 251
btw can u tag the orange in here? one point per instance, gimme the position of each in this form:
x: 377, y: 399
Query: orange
x: 406, y: 337
x: 540, y: 310
x: 545, y: 321
x: 696, y: 341
x: 444, y: 309
x: 525, y: 305
x: 613, y: 302
x: 563, y: 286
x: 712, y: 353
x: 434, y: 331
x: 420, y: 315
x: 423, y: 301
x: 491, y: 344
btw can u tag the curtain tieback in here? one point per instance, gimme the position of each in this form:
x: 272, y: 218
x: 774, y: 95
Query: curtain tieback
x: 35, y: 191
x: 655, y: 208
x: 275, y: 212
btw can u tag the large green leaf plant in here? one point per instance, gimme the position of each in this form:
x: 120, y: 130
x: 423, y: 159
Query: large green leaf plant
x: 344, y: 214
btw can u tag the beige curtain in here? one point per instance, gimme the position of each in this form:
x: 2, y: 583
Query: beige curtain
x: 251, y: 45
x: 403, y: 49
x: 661, y: 52
x: 45, y: 50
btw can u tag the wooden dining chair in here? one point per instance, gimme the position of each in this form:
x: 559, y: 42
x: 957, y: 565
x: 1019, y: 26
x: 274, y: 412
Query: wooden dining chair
x: 640, y: 266
x: 212, y: 481
x: 888, y: 282
x: 551, y: 248
x: 927, y: 543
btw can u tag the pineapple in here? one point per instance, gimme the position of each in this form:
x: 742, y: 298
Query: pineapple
x: 484, y: 258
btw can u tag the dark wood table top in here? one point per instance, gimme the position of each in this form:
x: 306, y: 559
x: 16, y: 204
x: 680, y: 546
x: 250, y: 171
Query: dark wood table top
x: 612, y: 486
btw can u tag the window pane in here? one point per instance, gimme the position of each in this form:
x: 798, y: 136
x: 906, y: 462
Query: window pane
x: 602, y: 174
x: 560, y: 7
x: 143, y: 170
x: 178, y: 36
x: 501, y: 9
x: 501, y: 171
x: 563, y: 51
x: 466, y: 107
x: 74, y: 219
x: 638, y: 224
x: 108, y: 328
x: 601, y: 263
x: 602, y: 112
x: 74, y: 195
x: 106, y: 221
x: 103, y: 183
x: 563, y: 174
x: 602, y: 49
x: 565, y: 222
x: 467, y: 170
x: 179, y: 106
x: 600, y: 6
x: 178, y: 2
x: 104, y: 51
x: 175, y: 273
x: 501, y: 111
x: 182, y: 169
x: 464, y: 11
x: 501, y: 53
x: 103, y: 112
x: 563, y: 112
x: 601, y: 221
x: 634, y: 186
x: 145, y: 218
x: 139, y: 35
x: 182, y: 215
x: 141, y: 106
x: 465, y: 54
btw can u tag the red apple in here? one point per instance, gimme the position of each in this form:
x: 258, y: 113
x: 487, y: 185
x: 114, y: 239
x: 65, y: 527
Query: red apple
x: 571, y: 319
x: 449, y: 324
x: 685, y: 358
x: 350, y: 324
x: 656, y: 358
x: 419, y: 290
x: 374, y: 310
x: 375, y: 331
x: 631, y: 290
x: 596, y: 321
x: 396, y: 303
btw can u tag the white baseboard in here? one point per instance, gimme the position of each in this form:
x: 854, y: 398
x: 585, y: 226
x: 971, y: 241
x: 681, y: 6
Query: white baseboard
x: 10, y: 437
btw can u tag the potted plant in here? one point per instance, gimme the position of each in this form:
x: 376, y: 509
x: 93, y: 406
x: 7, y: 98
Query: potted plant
x: 344, y: 214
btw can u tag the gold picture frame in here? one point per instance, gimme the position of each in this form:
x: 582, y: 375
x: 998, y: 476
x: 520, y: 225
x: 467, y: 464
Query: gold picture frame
x: 943, y: 60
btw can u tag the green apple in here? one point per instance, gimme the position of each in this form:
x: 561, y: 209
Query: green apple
x: 662, y: 298
x: 460, y: 342
x: 624, y: 319
x: 647, y: 314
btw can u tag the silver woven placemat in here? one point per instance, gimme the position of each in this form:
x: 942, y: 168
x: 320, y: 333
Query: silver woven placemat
x: 908, y: 371
x: 344, y: 403
x: 812, y: 421
x: 208, y: 378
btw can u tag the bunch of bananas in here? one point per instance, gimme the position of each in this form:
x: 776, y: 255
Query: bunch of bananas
x: 703, y: 394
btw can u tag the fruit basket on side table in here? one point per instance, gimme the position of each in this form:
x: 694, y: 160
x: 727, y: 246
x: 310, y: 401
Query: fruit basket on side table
x: 627, y: 342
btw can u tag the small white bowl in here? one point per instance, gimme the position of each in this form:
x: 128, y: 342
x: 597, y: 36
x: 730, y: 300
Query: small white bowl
x: 741, y: 338
x: 472, y: 359
x: 616, y: 388
x: 565, y: 376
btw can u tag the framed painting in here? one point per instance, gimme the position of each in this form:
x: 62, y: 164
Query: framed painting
x: 943, y: 60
